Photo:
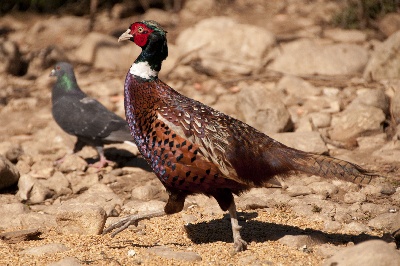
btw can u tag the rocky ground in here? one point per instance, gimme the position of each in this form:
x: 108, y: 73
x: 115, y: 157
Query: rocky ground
x: 278, y: 66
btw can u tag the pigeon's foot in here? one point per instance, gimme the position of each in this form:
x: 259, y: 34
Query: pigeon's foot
x: 101, y: 163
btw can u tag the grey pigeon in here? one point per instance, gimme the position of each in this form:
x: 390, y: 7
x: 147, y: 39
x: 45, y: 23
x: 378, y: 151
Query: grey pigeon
x: 84, y: 117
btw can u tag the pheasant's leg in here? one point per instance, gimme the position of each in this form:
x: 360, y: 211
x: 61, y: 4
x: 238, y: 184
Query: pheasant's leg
x: 131, y: 220
x: 239, y: 243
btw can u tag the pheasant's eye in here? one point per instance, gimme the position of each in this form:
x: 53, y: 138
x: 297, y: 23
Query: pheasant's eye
x: 140, y: 30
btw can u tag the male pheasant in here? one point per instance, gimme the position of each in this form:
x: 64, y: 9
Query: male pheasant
x: 84, y: 117
x: 193, y: 148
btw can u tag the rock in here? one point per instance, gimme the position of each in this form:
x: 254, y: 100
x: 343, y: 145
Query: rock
x: 39, y: 220
x: 32, y: 190
x: 72, y: 163
x: 295, y: 191
x: 53, y: 30
x: 389, y: 24
x: 326, y: 250
x: 258, y: 198
x: 368, y: 97
x: 305, y: 141
x: 368, y: 253
x: 385, y: 61
x: 25, y: 185
x: 39, y: 193
x: 371, y: 142
x: 354, y: 122
x: 83, y: 219
x: 45, y: 249
x: 11, y: 59
x: 332, y: 59
x: 354, y: 196
x: 20, y: 235
x: 100, y: 195
x: 138, y: 206
x: 385, y: 221
x: 104, y: 51
x: 69, y: 261
x: 298, y: 241
x: 148, y: 191
x: 59, y: 184
x: 262, y: 109
x: 44, y: 59
x: 208, y: 39
x: 9, y: 214
x: 14, y: 153
x: 355, y: 227
x: 83, y: 182
x: 324, y: 188
x: 165, y: 18
x: 296, y: 89
x: 395, y: 105
x: 9, y: 174
x: 332, y: 226
x: 342, y: 35
x: 320, y: 120
x: 42, y: 169
x: 193, y: 7
x: 169, y: 253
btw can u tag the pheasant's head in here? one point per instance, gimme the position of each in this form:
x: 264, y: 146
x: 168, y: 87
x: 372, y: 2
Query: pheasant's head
x: 142, y: 32
x: 152, y: 39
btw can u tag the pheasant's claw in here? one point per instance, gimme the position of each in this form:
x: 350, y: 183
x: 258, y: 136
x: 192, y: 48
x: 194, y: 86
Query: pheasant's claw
x: 239, y: 245
x: 124, y: 223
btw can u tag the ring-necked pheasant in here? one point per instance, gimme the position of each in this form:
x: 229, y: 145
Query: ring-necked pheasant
x: 84, y: 117
x: 193, y: 148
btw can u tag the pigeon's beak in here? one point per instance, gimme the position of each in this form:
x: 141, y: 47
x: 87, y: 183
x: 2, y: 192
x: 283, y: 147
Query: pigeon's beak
x: 52, y: 73
x: 125, y: 36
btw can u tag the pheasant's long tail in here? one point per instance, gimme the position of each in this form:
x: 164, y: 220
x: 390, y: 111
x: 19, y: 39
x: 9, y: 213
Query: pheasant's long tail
x: 330, y: 167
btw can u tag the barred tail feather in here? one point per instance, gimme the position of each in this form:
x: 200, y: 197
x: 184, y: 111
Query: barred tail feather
x: 329, y: 167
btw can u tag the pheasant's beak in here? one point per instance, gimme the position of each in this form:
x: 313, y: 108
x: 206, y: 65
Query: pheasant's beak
x: 125, y: 36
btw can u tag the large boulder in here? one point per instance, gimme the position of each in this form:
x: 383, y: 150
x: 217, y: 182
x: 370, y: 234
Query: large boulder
x: 224, y: 45
x: 310, y: 57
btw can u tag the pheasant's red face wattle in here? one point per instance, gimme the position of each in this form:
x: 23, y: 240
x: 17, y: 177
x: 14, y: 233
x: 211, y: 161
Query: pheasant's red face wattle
x: 140, y: 33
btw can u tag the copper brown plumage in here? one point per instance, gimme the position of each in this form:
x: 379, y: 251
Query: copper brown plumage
x: 193, y: 148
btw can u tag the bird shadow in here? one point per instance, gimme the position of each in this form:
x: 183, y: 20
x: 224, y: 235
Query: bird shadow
x: 259, y: 231
x: 123, y: 158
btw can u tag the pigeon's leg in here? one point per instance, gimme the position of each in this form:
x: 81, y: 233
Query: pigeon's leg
x: 239, y: 243
x: 103, y: 161
x: 79, y: 144
x: 121, y: 225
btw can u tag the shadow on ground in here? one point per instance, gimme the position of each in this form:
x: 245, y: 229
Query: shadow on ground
x: 258, y: 231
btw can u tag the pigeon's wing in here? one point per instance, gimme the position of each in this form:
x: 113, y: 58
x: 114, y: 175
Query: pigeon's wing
x: 87, y: 118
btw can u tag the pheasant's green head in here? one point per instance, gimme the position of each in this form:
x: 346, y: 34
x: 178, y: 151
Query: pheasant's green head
x: 148, y: 35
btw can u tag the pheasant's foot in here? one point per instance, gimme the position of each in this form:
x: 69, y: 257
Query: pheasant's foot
x: 239, y: 244
x: 125, y: 222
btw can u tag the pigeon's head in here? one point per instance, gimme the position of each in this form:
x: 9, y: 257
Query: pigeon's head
x: 61, y: 68
x: 144, y: 32
x: 65, y: 76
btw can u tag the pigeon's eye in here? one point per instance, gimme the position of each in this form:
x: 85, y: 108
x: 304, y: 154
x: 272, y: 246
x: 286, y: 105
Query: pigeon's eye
x: 140, y: 30
x: 58, y: 67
